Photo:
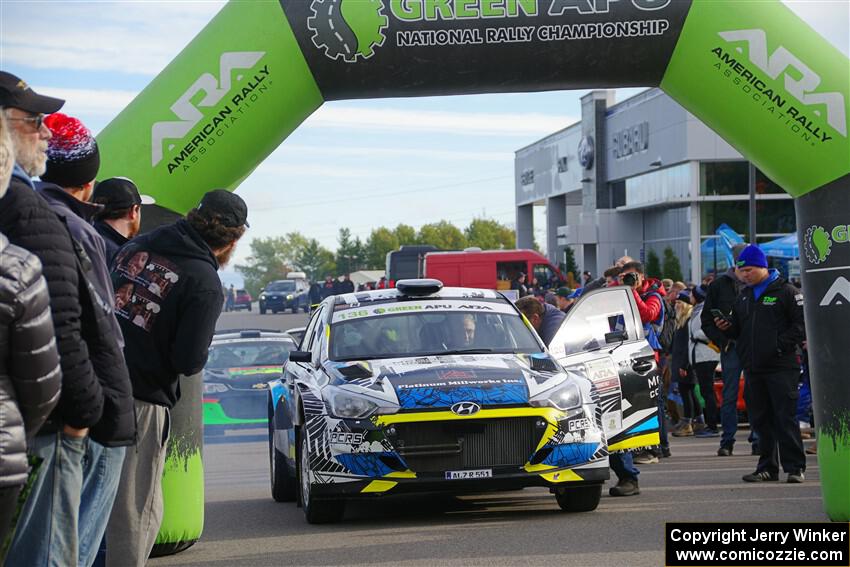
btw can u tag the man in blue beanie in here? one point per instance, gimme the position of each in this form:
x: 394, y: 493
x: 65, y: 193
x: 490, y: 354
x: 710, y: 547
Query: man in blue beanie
x: 767, y: 323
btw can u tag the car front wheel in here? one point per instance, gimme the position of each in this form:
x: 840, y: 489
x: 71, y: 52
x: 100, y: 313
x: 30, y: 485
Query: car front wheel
x: 315, y: 511
x: 579, y: 498
x: 282, y: 484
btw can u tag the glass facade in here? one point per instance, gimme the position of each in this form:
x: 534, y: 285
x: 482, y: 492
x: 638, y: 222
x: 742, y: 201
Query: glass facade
x: 659, y: 186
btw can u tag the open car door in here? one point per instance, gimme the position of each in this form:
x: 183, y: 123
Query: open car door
x: 603, y: 335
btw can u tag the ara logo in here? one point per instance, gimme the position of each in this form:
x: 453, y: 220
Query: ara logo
x: 800, y: 80
x: 466, y: 408
x: 838, y: 293
x: 347, y: 29
x: 214, y: 90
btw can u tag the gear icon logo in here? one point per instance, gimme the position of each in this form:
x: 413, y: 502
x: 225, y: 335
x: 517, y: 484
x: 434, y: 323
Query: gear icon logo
x: 817, y: 244
x: 348, y: 29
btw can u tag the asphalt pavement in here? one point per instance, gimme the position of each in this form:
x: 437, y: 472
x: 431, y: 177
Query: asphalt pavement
x: 244, y: 526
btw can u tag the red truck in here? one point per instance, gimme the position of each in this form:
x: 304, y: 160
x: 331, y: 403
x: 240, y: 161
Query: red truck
x: 489, y: 269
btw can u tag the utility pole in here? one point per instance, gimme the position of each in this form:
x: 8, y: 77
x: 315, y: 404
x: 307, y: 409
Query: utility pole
x: 751, y: 184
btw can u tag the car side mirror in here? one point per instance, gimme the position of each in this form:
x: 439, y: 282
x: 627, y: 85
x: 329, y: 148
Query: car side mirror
x: 300, y: 356
x: 616, y: 337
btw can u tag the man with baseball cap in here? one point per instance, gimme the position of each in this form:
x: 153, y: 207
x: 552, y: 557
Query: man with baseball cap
x: 171, y: 298
x: 28, y: 221
x: 121, y: 216
x: 767, y: 323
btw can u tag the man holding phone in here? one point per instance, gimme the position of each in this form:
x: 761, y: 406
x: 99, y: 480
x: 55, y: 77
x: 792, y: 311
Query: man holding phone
x: 767, y: 321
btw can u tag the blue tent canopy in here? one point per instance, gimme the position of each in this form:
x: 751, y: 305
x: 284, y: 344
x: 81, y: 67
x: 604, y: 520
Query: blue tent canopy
x: 785, y: 247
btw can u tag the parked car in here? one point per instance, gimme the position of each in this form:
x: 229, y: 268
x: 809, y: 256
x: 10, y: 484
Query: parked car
x: 243, y: 300
x: 297, y: 333
x: 286, y: 294
x: 423, y: 389
x: 240, y: 364
x: 490, y: 269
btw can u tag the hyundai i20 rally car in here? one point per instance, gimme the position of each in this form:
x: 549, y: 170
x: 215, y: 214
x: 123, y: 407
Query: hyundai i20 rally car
x: 422, y: 389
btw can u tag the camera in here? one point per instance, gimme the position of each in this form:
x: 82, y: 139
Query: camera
x: 630, y: 279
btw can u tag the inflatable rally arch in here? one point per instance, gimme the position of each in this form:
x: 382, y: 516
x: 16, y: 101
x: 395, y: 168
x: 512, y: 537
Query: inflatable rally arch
x: 753, y: 71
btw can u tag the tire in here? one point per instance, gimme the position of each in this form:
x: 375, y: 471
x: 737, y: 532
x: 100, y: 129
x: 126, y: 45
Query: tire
x: 315, y: 511
x: 579, y: 498
x: 262, y: 309
x: 282, y: 484
x: 294, y: 308
x: 248, y: 308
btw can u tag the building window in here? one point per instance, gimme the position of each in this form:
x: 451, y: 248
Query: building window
x: 733, y: 213
x: 764, y: 185
x: 723, y: 178
x: 659, y: 186
x: 775, y: 217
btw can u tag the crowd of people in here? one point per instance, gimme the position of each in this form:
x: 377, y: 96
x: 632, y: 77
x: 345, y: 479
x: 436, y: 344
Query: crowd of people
x: 748, y: 322
x: 97, y: 327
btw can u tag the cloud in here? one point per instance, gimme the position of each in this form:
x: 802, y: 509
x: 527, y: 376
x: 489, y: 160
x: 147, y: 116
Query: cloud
x: 90, y: 103
x: 371, y: 152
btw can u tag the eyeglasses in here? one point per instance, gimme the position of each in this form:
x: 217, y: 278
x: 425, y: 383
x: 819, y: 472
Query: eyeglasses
x: 36, y: 121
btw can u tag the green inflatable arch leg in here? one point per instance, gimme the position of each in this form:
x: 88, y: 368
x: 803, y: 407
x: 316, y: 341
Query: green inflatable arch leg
x: 753, y: 71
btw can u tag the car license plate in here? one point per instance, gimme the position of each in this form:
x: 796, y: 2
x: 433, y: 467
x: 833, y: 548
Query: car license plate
x: 458, y: 475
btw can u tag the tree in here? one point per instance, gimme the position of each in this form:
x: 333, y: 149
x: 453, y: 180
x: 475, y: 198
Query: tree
x: 271, y: 259
x: 653, y: 264
x: 315, y: 260
x: 489, y: 235
x: 570, y: 266
x: 443, y: 235
x: 381, y: 241
x: 671, y: 268
x: 348, y: 253
x: 405, y: 234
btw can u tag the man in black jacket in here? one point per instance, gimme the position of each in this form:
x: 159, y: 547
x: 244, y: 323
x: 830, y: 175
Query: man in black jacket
x: 767, y: 321
x: 47, y: 527
x: 120, y: 217
x: 171, y: 298
x: 73, y: 160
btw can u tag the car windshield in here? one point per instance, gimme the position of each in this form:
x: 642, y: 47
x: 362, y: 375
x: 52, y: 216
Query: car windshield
x: 255, y: 353
x: 281, y: 286
x: 377, y: 332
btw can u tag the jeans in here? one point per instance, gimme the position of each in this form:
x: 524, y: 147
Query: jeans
x: 729, y: 409
x: 101, y: 473
x: 623, y: 466
x: 47, y: 529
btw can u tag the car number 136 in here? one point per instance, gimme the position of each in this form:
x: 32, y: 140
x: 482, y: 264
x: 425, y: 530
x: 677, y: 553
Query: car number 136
x: 457, y: 475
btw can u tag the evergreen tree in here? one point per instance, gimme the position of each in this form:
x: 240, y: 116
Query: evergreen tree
x: 672, y: 269
x: 653, y: 264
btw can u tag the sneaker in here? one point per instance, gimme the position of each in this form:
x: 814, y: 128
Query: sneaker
x: 698, y: 426
x: 813, y: 450
x: 724, y: 452
x: 686, y: 430
x: 645, y: 458
x: 760, y: 476
x: 707, y: 432
x: 796, y: 477
x: 665, y: 453
x: 625, y: 487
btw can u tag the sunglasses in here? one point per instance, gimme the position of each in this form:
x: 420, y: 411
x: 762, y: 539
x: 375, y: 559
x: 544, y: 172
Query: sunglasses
x: 36, y: 121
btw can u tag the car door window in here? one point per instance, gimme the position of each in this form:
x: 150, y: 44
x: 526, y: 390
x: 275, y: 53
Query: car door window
x: 592, y: 318
x: 307, y: 339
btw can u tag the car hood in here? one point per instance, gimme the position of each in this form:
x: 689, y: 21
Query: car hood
x: 437, y: 382
x: 242, y: 374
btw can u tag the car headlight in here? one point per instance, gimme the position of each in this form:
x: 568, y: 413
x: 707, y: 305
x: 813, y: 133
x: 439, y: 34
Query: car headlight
x: 289, y: 296
x: 564, y: 397
x: 214, y: 388
x: 348, y: 405
x: 262, y: 296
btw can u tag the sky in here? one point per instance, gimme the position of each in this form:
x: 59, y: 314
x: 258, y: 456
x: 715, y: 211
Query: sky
x: 423, y: 159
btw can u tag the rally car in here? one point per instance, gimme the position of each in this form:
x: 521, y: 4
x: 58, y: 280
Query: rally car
x: 239, y: 366
x: 422, y: 389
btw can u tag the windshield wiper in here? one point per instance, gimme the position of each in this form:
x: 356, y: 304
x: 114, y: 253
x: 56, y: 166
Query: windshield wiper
x: 466, y: 351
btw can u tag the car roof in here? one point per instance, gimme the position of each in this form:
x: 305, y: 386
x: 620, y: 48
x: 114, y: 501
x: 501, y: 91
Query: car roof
x: 358, y: 298
x: 248, y: 335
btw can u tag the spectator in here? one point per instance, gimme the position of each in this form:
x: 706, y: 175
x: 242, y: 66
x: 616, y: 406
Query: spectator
x: 230, y: 299
x: 551, y: 298
x: 518, y: 284
x: 649, y: 296
x: 121, y: 216
x: 168, y: 334
x: 545, y: 319
x: 704, y: 356
x: 680, y: 366
x: 72, y: 163
x: 346, y: 285
x: 668, y: 284
x: 586, y: 278
x: 30, y: 378
x: 329, y: 287
x: 767, y: 321
x: 562, y: 296
x: 47, y: 528
x: 314, y: 295
x: 720, y: 296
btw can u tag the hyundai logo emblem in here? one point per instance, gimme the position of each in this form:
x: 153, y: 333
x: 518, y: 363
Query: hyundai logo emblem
x: 465, y: 408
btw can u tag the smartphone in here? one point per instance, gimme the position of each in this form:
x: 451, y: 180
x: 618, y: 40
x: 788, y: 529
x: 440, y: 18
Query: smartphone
x: 720, y: 314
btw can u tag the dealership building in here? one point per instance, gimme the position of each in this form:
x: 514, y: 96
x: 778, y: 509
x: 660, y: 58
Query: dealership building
x: 639, y: 176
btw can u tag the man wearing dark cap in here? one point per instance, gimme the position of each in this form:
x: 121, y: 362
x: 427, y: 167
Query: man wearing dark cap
x: 767, y: 323
x: 121, y: 216
x: 47, y: 526
x: 171, y: 299
x: 73, y: 160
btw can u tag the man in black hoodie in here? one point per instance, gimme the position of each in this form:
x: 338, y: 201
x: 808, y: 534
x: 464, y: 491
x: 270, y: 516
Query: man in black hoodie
x: 170, y: 299
x: 73, y: 160
x: 120, y: 218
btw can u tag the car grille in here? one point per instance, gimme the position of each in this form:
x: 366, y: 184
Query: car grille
x: 452, y: 445
x: 245, y: 406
